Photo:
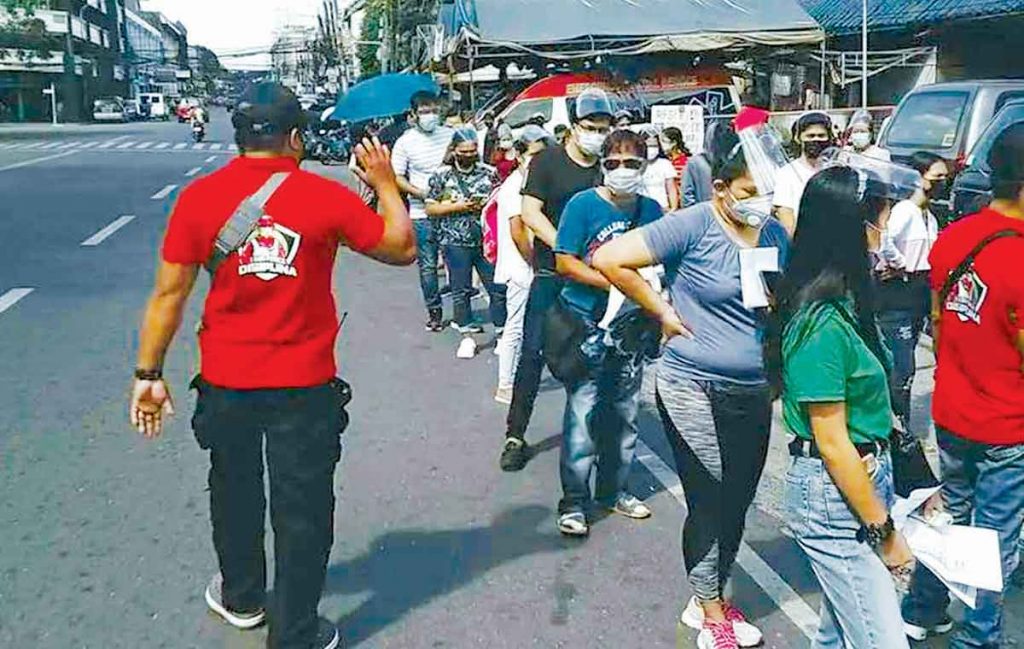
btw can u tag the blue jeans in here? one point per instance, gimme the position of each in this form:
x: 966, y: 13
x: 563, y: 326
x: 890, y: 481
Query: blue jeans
x: 901, y: 331
x: 461, y: 261
x: 427, y: 247
x: 982, y: 485
x: 599, y: 427
x: 860, y: 608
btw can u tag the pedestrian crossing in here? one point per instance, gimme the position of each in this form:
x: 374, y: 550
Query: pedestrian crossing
x: 120, y: 144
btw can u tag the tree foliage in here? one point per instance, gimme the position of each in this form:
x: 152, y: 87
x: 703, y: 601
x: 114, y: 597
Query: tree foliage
x: 20, y: 30
x: 407, y: 16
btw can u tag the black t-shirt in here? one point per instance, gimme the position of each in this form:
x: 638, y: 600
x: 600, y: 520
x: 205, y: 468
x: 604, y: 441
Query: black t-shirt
x: 553, y: 179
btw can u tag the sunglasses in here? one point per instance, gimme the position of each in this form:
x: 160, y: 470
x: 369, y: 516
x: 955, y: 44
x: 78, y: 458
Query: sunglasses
x: 611, y: 164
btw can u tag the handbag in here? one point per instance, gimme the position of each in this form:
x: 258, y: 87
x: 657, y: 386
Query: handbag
x: 564, y: 334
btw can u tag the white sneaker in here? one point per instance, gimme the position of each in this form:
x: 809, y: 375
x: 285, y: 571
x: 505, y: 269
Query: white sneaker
x: 747, y: 635
x: 215, y: 601
x: 631, y: 507
x: 573, y: 524
x: 717, y: 636
x: 467, y: 349
x: 503, y: 395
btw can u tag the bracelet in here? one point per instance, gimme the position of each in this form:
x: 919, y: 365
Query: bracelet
x: 149, y: 375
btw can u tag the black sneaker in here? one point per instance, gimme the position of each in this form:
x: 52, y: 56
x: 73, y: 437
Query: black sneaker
x: 327, y: 637
x: 919, y: 631
x: 514, y: 455
x: 239, y: 619
x: 435, y: 322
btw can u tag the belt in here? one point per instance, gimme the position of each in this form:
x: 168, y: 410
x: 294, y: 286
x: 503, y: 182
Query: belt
x: 809, y: 448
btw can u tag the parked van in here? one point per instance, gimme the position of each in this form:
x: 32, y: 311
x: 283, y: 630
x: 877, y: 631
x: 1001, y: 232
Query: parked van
x: 947, y: 119
x: 552, y: 99
x: 154, y: 105
x: 973, y: 187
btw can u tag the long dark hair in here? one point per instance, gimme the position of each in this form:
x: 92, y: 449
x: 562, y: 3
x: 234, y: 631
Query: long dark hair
x: 830, y: 258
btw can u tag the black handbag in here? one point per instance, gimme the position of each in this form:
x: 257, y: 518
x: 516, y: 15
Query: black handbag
x: 564, y: 335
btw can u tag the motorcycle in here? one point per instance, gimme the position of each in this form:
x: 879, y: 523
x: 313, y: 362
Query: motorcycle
x: 330, y: 147
x: 198, y: 132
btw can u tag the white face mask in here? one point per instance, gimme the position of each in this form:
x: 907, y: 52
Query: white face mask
x: 752, y: 212
x: 653, y: 152
x: 428, y: 122
x: 860, y: 140
x: 590, y: 143
x: 624, y: 181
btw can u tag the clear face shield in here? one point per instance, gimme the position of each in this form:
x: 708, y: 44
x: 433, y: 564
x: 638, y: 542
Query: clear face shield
x: 880, y: 179
x: 765, y: 155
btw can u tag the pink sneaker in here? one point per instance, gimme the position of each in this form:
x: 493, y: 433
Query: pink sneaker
x: 747, y: 634
x: 717, y: 635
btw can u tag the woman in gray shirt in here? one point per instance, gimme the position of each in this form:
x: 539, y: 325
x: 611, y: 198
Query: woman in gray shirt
x: 713, y: 395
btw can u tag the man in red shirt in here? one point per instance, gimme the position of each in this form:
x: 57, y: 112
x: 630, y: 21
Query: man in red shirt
x: 978, y: 317
x: 267, y: 348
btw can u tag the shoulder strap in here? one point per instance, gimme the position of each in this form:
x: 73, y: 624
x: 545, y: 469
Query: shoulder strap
x: 968, y: 262
x: 241, y: 223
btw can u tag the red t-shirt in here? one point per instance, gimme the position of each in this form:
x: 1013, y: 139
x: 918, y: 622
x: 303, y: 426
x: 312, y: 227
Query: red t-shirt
x: 979, y: 388
x: 270, y: 319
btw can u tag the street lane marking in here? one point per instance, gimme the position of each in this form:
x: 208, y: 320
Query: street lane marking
x: 775, y: 587
x: 36, y: 145
x: 11, y: 145
x: 107, y: 145
x: 29, y: 163
x: 215, y: 147
x: 211, y: 158
x: 69, y: 145
x: 52, y: 145
x: 198, y: 146
x: 145, y: 145
x: 193, y: 171
x: 179, y: 146
x: 88, y: 145
x: 12, y: 297
x: 163, y: 145
x: 126, y: 145
x: 164, y: 193
x: 105, y: 233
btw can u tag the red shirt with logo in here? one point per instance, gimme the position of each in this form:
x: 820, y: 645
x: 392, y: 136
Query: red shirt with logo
x: 979, y: 387
x: 270, y: 319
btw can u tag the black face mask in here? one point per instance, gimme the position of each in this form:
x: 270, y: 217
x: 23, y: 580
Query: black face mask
x: 939, y: 190
x: 814, y: 149
x: 466, y: 162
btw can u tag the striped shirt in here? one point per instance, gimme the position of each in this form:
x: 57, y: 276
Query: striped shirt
x: 417, y: 155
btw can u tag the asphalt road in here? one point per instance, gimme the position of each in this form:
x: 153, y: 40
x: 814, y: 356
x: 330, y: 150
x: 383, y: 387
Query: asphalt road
x: 105, y: 539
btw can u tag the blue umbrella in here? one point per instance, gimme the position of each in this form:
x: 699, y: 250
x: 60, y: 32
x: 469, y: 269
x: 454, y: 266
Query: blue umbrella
x: 381, y: 96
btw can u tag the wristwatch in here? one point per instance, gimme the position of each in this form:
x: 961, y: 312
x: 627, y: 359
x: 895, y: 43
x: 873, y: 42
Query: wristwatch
x: 149, y: 375
x: 876, y: 535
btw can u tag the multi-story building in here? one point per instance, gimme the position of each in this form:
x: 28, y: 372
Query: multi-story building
x: 292, y: 60
x: 173, y: 74
x: 144, y: 50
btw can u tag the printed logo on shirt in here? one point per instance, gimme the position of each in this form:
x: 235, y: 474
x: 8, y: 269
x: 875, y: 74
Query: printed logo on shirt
x: 967, y: 298
x: 611, y: 231
x: 269, y: 251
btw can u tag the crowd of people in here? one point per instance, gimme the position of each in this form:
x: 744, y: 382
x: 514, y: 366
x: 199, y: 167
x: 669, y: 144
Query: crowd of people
x: 618, y: 248
x: 742, y: 277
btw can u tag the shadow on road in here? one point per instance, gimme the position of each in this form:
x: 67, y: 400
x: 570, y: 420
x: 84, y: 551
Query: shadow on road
x: 407, y: 569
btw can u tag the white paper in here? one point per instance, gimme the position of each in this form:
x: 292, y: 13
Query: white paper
x: 616, y: 299
x: 904, y: 507
x: 963, y: 557
x: 753, y: 262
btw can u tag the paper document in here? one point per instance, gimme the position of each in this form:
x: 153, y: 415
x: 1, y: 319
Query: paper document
x: 964, y: 558
x: 616, y: 299
x: 753, y: 262
x: 904, y: 507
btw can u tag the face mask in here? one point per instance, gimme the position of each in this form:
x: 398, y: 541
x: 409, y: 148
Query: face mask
x: 653, y: 152
x: 752, y: 212
x: 939, y: 190
x: 428, y: 122
x: 860, y: 140
x: 466, y: 162
x: 590, y: 143
x: 624, y: 181
x: 814, y: 149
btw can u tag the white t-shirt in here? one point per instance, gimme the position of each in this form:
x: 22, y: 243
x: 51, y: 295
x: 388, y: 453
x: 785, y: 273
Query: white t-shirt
x: 913, y: 231
x: 790, y: 182
x: 416, y: 156
x: 876, y: 152
x: 658, y: 173
x: 511, y: 266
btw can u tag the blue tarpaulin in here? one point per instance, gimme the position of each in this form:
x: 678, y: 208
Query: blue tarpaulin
x: 381, y: 96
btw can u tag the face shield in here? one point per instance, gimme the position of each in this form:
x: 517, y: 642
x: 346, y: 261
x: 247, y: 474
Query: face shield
x: 593, y: 102
x: 880, y: 179
x: 765, y: 155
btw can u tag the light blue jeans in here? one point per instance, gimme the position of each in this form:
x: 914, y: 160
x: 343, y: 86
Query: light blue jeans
x: 860, y: 608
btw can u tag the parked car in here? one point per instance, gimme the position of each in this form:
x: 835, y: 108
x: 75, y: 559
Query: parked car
x: 154, y: 105
x: 109, y: 109
x: 132, y: 110
x: 947, y: 119
x: 972, y: 189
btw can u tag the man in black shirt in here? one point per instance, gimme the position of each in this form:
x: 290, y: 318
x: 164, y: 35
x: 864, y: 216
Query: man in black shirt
x: 555, y: 176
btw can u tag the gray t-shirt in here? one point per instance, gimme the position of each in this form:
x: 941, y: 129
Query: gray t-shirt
x: 702, y: 271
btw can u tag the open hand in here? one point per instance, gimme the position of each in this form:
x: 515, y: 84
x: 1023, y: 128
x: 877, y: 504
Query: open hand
x: 151, y: 402
x: 375, y: 160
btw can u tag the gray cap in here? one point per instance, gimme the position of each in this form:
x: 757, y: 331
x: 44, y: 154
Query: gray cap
x: 533, y: 133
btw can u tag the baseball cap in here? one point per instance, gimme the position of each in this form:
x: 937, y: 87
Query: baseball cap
x: 534, y: 133
x: 268, y: 109
x: 593, y: 102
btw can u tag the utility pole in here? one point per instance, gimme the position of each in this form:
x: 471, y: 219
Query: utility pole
x: 864, y: 54
x: 72, y: 101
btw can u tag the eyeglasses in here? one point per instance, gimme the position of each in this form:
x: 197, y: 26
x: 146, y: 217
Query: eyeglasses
x: 611, y: 164
x: 602, y: 130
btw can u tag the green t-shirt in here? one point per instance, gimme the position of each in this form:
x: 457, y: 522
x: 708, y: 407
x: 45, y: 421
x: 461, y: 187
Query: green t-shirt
x: 826, y: 361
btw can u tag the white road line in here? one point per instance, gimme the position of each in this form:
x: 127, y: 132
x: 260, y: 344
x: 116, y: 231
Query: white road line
x: 781, y: 593
x: 163, y: 193
x: 107, y: 145
x: 198, y: 146
x: 10, y: 145
x: 215, y: 147
x: 126, y: 145
x: 29, y: 163
x: 51, y: 145
x: 193, y: 171
x: 163, y: 145
x: 210, y: 159
x: 69, y: 145
x: 179, y: 146
x: 105, y: 233
x: 88, y: 145
x: 12, y: 297
x: 145, y: 145
x: 34, y: 145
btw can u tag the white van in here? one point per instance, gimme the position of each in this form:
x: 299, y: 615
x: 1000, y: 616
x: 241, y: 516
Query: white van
x: 154, y: 105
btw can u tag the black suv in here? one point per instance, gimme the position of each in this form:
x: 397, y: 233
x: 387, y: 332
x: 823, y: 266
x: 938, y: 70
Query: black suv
x: 973, y: 187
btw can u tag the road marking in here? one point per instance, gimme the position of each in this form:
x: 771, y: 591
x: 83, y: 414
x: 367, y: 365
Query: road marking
x: 198, y: 146
x: 163, y: 145
x: 179, y: 146
x: 126, y: 145
x: 210, y: 159
x: 164, y: 193
x: 52, y: 145
x: 233, y: 147
x: 12, y: 297
x: 145, y: 145
x: 88, y: 145
x: 35, y: 145
x: 215, y: 147
x: 10, y: 145
x: 193, y: 171
x: 69, y: 145
x: 105, y: 233
x: 107, y: 145
x: 782, y: 594
x: 29, y: 163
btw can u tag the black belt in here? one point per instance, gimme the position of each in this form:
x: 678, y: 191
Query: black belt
x: 809, y: 448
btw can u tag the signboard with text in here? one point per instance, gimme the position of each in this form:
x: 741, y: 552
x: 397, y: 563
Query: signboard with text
x: 688, y: 119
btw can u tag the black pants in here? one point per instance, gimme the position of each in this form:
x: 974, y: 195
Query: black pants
x: 543, y: 292
x: 302, y: 428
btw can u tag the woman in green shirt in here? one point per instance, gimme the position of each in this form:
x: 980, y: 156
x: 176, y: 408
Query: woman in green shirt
x: 836, y: 403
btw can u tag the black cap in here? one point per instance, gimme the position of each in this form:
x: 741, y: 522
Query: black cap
x: 268, y: 109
